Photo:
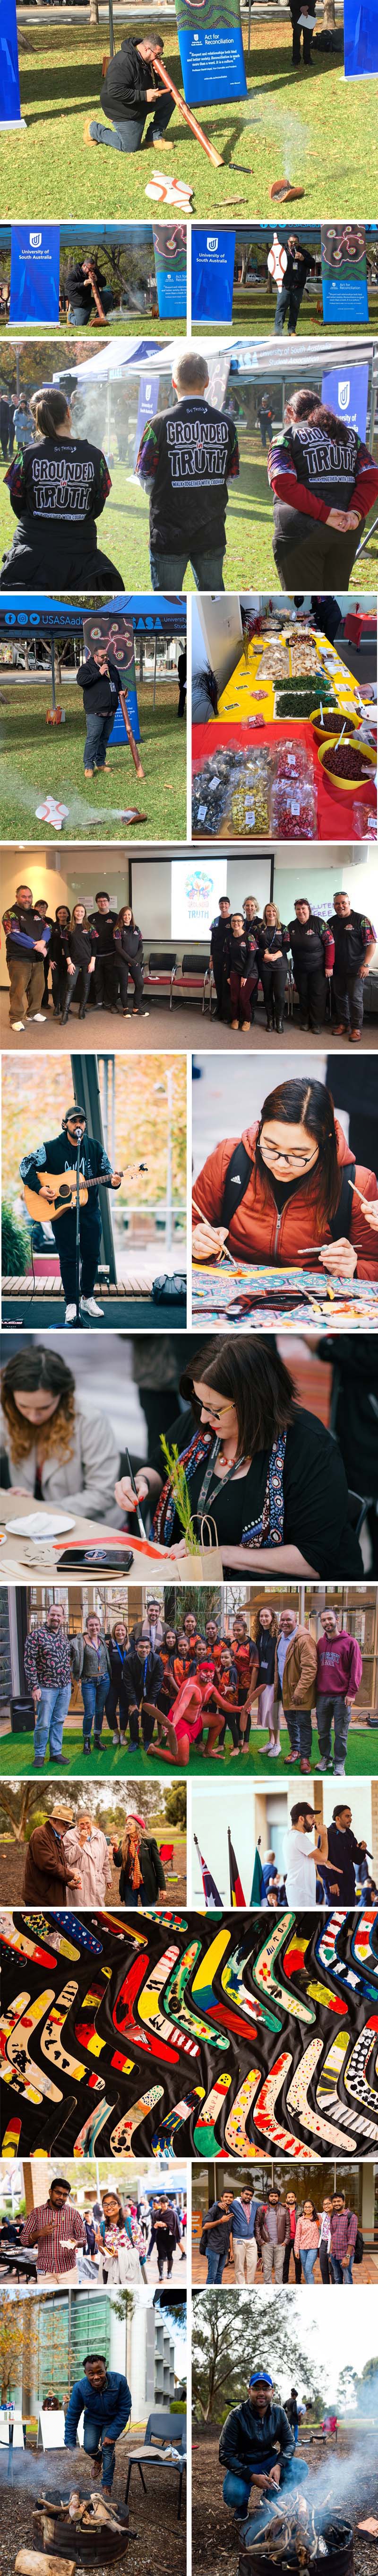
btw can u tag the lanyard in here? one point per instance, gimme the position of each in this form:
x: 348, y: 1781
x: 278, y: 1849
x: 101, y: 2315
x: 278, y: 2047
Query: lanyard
x: 208, y: 1491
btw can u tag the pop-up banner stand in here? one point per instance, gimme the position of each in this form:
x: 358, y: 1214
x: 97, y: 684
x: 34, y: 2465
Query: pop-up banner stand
x: 34, y: 277
x: 211, y: 50
x: 170, y: 266
x: 344, y: 273
x: 213, y: 265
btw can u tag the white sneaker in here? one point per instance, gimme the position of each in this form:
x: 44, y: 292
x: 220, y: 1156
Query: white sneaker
x: 70, y: 1315
x: 38, y: 1015
x: 17, y: 1024
x: 115, y: 1739
x: 91, y: 1307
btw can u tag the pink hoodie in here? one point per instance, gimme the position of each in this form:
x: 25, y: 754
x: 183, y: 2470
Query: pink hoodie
x: 339, y: 1665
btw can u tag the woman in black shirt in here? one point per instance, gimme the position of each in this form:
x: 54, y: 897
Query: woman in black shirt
x: 58, y: 488
x: 81, y: 959
x: 272, y: 958
x: 265, y: 1473
x: 58, y: 951
x: 128, y: 945
x: 240, y: 971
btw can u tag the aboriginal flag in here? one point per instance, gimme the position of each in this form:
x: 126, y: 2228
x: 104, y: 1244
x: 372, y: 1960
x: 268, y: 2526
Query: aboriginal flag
x: 236, y: 1891
x: 211, y: 1892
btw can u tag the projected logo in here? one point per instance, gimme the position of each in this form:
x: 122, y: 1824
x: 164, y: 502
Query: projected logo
x: 199, y: 895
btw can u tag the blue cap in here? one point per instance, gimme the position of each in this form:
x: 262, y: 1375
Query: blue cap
x: 257, y: 2377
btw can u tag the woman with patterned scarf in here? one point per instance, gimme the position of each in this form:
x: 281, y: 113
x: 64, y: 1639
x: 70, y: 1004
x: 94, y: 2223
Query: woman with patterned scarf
x: 263, y: 1472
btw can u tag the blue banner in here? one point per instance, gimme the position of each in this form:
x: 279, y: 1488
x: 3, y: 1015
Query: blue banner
x: 10, y: 108
x: 211, y: 52
x: 213, y: 262
x: 346, y: 392
x: 148, y: 398
x: 170, y: 269
x: 118, y: 634
x: 34, y: 280
x: 360, y: 39
x: 344, y: 275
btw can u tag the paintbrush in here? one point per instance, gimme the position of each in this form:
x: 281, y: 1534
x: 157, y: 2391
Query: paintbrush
x: 228, y: 1256
x: 360, y: 1194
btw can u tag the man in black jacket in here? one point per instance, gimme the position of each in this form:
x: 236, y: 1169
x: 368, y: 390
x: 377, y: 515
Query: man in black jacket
x: 143, y: 1675
x: 289, y: 298
x: 186, y: 458
x: 78, y: 289
x: 258, y: 2450
x: 355, y: 945
x: 105, y: 982
x: 101, y: 682
x: 128, y: 91
x: 61, y: 1154
x: 25, y: 948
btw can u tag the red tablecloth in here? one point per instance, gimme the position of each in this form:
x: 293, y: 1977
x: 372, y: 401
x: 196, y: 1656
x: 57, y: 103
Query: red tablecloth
x: 334, y: 811
x: 357, y: 623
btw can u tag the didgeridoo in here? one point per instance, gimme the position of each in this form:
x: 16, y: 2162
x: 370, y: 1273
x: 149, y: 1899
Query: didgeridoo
x: 131, y: 736
x: 215, y: 157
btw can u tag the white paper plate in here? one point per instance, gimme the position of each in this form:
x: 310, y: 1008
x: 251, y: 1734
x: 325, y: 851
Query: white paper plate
x: 42, y: 1525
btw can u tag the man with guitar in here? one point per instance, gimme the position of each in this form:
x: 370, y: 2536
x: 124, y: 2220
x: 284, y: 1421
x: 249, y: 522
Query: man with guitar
x: 50, y: 1176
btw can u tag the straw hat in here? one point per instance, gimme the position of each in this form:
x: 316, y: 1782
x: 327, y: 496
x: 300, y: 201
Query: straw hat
x: 60, y: 1812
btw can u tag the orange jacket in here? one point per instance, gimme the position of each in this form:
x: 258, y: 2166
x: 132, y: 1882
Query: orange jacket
x: 257, y: 1233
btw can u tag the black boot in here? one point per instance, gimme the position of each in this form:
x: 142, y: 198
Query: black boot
x: 279, y: 1024
x: 82, y: 1011
x: 268, y: 1022
x: 65, y: 1015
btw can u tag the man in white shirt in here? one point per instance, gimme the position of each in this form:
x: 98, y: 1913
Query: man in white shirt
x: 302, y: 1856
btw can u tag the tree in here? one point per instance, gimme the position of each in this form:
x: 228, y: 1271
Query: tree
x: 175, y: 1804
x: 347, y: 2388
x: 206, y: 1603
x: 225, y: 2347
x: 18, y: 2341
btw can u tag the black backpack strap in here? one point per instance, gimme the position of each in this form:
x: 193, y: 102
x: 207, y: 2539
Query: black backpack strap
x: 236, y: 1182
x: 340, y: 1223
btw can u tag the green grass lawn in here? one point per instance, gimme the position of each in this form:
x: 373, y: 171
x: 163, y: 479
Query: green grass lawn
x: 308, y: 125
x: 123, y: 531
x: 253, y: 312
x: 16, y: 1758
x: 39, y: 760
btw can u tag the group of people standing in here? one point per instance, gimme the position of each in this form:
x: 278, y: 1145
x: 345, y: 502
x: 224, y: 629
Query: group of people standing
x: 109, y: 2244
x: 241, y: 2230
x: 93, y: 956
x: 249, y: 948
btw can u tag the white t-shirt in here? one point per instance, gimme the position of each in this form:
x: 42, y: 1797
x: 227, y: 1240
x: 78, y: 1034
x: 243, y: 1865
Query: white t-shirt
x: 299, y: 1868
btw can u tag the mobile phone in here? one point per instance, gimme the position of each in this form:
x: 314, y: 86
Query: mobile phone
x: 107, y: 1559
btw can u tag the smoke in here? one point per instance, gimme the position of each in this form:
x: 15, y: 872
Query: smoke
x: 80, y: 813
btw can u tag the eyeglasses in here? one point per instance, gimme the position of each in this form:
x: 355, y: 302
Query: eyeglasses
x: 299, y: 1161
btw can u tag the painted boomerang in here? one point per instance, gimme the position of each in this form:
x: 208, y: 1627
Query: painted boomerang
x: 297, y: 2098
x: 122, y: 2135
x: 162, y: 2142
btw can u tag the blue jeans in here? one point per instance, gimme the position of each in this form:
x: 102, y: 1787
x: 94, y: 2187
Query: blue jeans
x: 167, y: 571
x: 215, y: 2263
x: 308, y: 2258
x: 236, y: 2489
x: 126, y: 135
x: 341, y: 2274
x: 52, y: 1710
x: 98, y: 731
x: 94, y: 1696
x: 92, y: 2443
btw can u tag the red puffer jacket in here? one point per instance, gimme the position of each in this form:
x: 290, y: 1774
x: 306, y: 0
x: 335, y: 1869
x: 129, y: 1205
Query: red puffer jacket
x: 257, y: 1233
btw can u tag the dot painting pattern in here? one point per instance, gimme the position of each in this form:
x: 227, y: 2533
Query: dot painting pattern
x: 194, y: 2040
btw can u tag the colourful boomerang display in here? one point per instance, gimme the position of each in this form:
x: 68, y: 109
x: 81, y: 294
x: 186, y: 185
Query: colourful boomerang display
x: 198, y: 2041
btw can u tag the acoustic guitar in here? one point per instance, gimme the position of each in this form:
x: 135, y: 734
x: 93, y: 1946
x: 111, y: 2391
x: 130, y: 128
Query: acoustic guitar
x: 63, y: 1188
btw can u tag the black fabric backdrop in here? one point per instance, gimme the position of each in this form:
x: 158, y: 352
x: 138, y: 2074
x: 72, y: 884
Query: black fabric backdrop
x: 189, y: 2034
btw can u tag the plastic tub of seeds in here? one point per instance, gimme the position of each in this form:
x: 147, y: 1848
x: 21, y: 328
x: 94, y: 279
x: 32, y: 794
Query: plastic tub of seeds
x: 333, y: 721
x: 347, y: 765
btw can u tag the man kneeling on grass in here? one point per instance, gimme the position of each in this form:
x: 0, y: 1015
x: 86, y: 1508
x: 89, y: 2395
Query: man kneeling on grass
x: 257, y: 2449
x: 187, y: 456
x: 129, y: 89
x: 105, y: 2396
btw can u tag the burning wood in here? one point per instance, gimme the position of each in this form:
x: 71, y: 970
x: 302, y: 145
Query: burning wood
x: 291, y: 2533
x: 85, y: 2511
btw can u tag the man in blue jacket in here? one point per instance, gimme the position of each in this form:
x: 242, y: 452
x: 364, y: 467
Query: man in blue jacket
x: 106, y: 2399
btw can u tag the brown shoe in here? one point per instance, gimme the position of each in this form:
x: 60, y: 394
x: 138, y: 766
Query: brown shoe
x: 354, y: 1037
x: 341, y: 1030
